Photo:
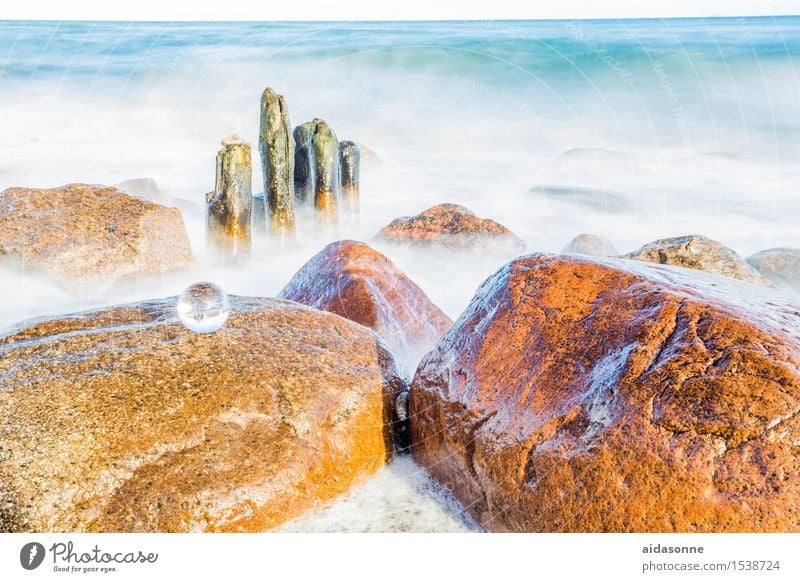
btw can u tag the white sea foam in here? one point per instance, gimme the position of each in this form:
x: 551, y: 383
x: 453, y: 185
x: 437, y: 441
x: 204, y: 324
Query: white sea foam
x: 400, y: 498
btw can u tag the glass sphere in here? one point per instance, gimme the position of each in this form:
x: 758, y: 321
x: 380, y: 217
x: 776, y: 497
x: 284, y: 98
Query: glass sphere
x: 203, y: 307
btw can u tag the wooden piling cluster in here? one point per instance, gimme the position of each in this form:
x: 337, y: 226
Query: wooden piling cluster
x: 301, y: 167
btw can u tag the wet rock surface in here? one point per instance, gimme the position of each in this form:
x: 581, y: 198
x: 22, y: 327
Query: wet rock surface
x: 353, y: 280
x: 87, y: 236
x: 453, y: 227
x: 123, y: 420
x: 700, y: 253
x: 579, y: 394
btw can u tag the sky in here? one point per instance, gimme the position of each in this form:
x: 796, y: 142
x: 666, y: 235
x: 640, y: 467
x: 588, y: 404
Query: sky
x: 382, y: 10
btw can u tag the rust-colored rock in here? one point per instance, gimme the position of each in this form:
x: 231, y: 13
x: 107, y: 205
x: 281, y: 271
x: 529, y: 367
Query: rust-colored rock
x: 701, y: 253
x: 454, y: 227
x: 123, y: 420
x: 86, y: 236
x: 579, y: 394
x: 353, y: 280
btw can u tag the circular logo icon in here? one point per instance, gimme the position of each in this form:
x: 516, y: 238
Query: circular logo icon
x: 31, y: 555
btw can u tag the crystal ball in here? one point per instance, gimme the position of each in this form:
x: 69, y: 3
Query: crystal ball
x: 203, y: 307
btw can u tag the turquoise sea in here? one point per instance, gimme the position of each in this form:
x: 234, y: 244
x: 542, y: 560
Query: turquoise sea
x: 700, y: 116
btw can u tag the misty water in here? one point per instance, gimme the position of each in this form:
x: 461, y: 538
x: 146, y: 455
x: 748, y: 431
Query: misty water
x: 633, y: 130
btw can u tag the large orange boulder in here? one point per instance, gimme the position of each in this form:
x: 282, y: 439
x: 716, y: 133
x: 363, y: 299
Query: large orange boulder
x: 579, y: 394
x: 124, y: 420
x: 353, y: 280
x: 87, y: 237
x: 452, y: 227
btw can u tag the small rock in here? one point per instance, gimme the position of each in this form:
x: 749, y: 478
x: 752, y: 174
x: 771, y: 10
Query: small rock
x: 148, y: 188
x: 589, y: 244
x: 453, y: 227
x: 781, y: 266
x: 369, y: 157
x: 145, y: 187
x: 701, y: 253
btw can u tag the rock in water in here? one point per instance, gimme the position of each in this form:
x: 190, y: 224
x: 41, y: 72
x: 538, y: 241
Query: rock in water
x: 781, y: 266
x: 453, y: 227
x: 369, y: 157
x: 589, y: 244
x: 586, y: 199
x: 123, y: 420
x: 87, y: 236
x: 357, y: 282
x: 145, y: 187
x: 326, y: 171
x: 349, y: 163
x: 149, y: 189
x: 276, y: 146
x: 701, y: 253
x: 230, y: 205
x: 579, y: 394
x: 303, y: 164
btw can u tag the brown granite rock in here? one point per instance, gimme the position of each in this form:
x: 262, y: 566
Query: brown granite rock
x: 781, y: 266
x: 701, y: 253
x: 353, y: 280
x: 454, y: 227
x: 579, y: 394
x: 123, y: 420
x: 86, y: 236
